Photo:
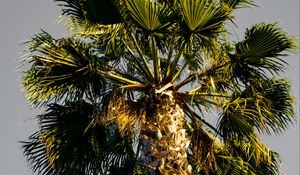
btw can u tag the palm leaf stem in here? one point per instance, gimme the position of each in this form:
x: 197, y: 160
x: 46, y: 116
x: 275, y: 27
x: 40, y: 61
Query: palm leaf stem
x: 139, y: 66
x: 207, y: 124
x: 186, y: 81
x: 172, y: 66
x: 194, y: 76
x: 187, y: 62
x: 134, y: 86
x: 118, y: 71
x: 170, y: 56
x: 117, y: 78
x: 194, y: 93
x: 165, y: 87
x: 177, y: 74
x: 200, y: 98
x: 156, y: 60
x: 145, y: 62
x: 194, y: 116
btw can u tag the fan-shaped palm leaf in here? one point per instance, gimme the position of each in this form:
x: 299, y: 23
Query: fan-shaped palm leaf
x: 68, y: 68
x: 146, y: 13
x: 72, y: 140
x: 262, y: 48
x: 91, y: 12
x: 267, y: 106
x: 204, y: 19
x: 246, y: 157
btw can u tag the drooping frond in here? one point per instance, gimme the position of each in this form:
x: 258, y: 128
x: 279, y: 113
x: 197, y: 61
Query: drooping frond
x: 69, y: 140
x: 72, y: 140
x: 203, y: 151
x: 125, y: 114
x: 235, y: 120
x: 69, y: 68
x: 275, y: 111
x: 91, y: 12
x: 261, y: 51
x: 233, y: 4
x: 246, y: 157
x: 266, y: 106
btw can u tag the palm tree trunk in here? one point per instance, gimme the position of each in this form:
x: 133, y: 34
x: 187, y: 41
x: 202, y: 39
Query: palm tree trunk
x: 164, y: 138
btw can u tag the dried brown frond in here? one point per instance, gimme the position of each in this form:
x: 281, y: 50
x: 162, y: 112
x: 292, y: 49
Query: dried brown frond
x: 124, y: 113
x: 203, y: 145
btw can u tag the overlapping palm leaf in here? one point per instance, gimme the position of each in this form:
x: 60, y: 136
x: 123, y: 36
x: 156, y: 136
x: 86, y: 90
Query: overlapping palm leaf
x: 266, y: 106
x: 69, y: 68
x: 91, y: 12
x: 261, y: 51
x: 72, y: 140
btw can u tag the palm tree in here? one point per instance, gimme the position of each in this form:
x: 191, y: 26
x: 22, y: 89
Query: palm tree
x: 136, y: 86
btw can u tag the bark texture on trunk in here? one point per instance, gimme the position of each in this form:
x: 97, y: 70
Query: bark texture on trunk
x: 164, y: 138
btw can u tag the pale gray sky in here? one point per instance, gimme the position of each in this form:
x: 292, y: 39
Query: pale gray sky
x: 20, y: 18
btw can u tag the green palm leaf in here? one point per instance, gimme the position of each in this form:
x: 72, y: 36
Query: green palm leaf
x: 68, y: 68
x: 266, y: 106
x: 262, y: 47
x: 146, y: 13
x: 233, y: 4
x: 73, y: 141
x: 203, y: 17
x: 247, y: 157
x: 275, y: 111
x: 91, y: 12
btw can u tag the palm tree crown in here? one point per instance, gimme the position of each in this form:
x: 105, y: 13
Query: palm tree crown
x: 129, y: 91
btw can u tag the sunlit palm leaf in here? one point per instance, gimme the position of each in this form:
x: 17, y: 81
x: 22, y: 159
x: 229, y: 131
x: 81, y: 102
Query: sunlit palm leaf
x: 146, y: 13
x: 64, y: 68
x: 274, y: 105
x: 267, y: 106
x: 247, y: 157
x: 235, y: 120
x: 203, y: 18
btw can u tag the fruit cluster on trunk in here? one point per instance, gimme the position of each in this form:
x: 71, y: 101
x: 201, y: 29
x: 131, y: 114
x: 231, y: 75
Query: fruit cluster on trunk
x: 164, y: 137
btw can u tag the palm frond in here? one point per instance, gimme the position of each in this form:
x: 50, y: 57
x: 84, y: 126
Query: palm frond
x: 266, y: 106
x: 146, y: 13
x: 274, y: 105
x: 68, y: 68
x: 125, y: 114
x: 90, y: 12
x: 72, y: 140
x: 203, y: 151
x: 60, y: 68
x: 247, y: 157
x: 233, y: 4
x: 68, y: 141
x: 234, y: 121
x: 262, y: 48
x: 204, y: 21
